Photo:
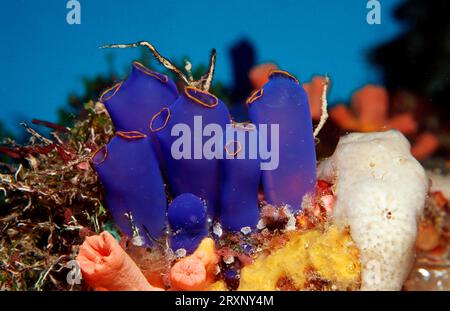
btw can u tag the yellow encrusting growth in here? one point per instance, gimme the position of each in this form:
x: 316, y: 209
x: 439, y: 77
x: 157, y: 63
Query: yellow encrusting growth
x: 218, y: 286
x: 308, y: 258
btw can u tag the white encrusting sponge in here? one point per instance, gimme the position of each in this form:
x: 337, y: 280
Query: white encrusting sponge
x: 380, y: 194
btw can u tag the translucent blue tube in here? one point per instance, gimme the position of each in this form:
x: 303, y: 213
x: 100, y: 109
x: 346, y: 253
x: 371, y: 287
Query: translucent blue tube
x: 187, y: 167
x: 133, y: 102
x: 129, y: 172
x: 241, y: 178
x: 188, y: 222
x: 283, y: 101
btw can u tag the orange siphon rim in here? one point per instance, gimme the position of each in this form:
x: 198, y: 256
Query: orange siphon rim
x: 195, y: 99
x: 157, y: 115
x: 131, y: 134
x: 115, y: 87
x: 104, y: 155
x: 255, y: 96
x: 161, y: 77
x: 285, y: 73
x: 239, y: 149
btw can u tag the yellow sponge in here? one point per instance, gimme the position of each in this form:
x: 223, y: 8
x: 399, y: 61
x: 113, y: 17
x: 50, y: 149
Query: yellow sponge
x: 312, y: 260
